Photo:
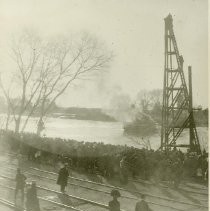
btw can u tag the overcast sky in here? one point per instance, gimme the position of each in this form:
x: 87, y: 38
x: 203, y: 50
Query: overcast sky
x: 132, y: 29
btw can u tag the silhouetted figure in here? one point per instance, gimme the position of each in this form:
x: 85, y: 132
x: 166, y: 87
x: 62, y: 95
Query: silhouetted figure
x: 177, y: 172
x: 40, y: 126
x: 114, y: 205
x: 63, y: 177
x: 123, y: 171
x: 38, y: 156
x: 142, y: 205
x: 20, y: 184
x: 32, y: 201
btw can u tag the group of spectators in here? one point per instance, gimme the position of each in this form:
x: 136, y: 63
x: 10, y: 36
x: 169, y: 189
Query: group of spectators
x: 111, y: 160
x: 172, y: 166
x: 32, y: 200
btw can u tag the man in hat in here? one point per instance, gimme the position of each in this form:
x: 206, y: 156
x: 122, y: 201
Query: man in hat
x: 20, y: 184
x: 142, y: 205
x: 114, y: 205
x: 63, y: 177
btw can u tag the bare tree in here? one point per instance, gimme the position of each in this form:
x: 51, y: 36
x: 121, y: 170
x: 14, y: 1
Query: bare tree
x: 146, y: 99
x: 25, y: 80
x: 65, y: 63
x: 45, y: 69
x: 141, y: 141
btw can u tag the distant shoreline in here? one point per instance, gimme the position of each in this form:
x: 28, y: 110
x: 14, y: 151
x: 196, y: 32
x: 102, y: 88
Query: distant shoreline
x: 74, y: 113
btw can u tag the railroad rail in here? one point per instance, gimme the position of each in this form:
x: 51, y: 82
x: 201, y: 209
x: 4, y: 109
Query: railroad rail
x: 69, y: 195
x: 150, y: 202
x: 9, y: 204
x: 76, y: 209
x: 166, y: 187
x: 48, y: 200
x: 119, y: 188
x: 89, y: 188
x: 145, y: 182
x: 93, y: 189
x: 110, y: 186
x: 73, y: 184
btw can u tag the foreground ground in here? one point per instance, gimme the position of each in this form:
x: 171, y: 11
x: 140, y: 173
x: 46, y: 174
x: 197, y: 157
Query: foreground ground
x: 89, y: 193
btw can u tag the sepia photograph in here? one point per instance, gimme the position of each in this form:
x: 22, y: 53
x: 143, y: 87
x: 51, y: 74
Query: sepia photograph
x: 104, y: 105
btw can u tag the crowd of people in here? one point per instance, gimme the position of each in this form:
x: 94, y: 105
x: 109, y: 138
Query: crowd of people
x: 109, y: 161
x: 112, y: 160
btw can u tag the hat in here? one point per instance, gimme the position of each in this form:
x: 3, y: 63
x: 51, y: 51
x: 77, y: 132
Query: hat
x: 115, y: 193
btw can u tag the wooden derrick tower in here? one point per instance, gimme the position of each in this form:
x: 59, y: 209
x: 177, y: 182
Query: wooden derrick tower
x: 177, y: 111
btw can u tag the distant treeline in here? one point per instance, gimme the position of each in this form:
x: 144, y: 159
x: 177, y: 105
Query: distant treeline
x: 147, y: 124
x: 98, y: 114
x: 95, y: 114
x: 201, y: 117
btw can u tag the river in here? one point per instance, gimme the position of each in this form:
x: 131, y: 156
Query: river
x: 107, y: 132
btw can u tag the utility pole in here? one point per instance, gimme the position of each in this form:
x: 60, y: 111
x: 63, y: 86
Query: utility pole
x: 190, y: 106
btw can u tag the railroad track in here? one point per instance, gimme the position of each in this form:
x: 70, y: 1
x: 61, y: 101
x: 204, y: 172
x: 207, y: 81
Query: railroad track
x: 105, y: 192
x: 85, y: 187
x: 58, y: 192
x: 48, y: 200
x: 160, y: 185
x: 73, y: 184
x: 10, y: 204
x: 73, y: 208
x: 167, y: 187
x: 119, y: 188
x: 150, y: 202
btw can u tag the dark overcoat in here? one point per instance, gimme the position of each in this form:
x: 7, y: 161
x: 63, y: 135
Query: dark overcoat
x: 142, y: 206
x: 114, y: 205
x: 63, y: 177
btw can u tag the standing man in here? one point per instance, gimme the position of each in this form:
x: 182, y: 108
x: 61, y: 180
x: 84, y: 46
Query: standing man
x: 142, y: 205
x: 114, y: 205
x: 20, y: 184
x: 63, y: 177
